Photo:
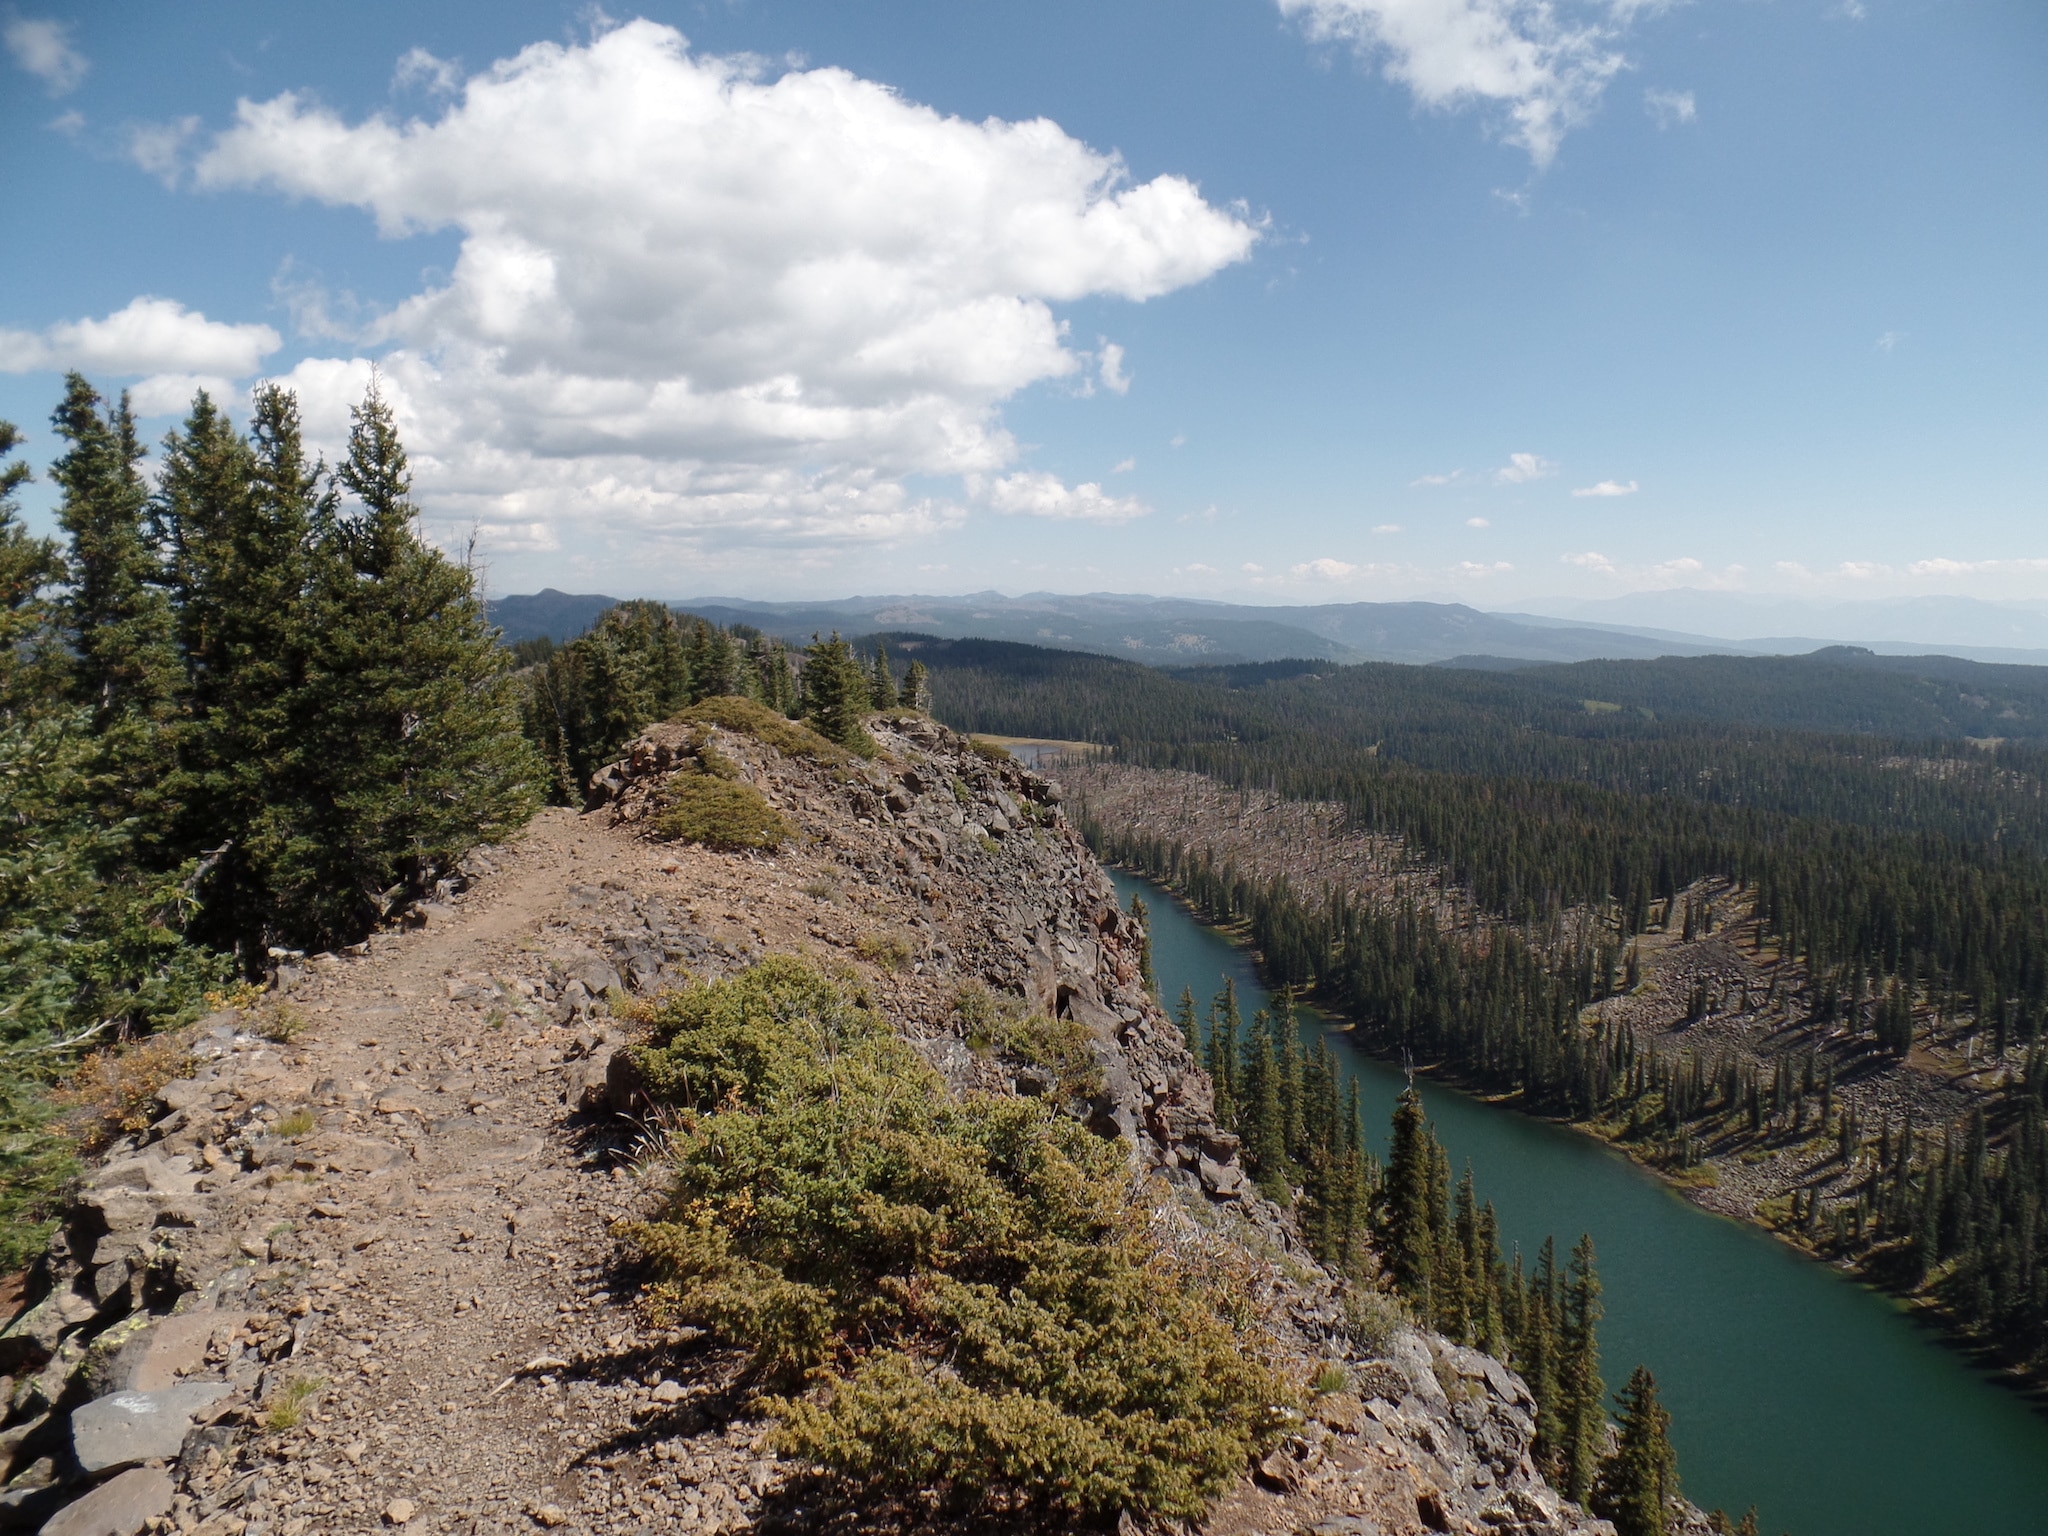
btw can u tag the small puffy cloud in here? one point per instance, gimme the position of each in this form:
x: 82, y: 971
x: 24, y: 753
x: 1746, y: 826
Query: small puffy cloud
x: 1542, y: 63
x: 1435, y: 480
x: 159, y: 148
x: 1110, y: 364
x: 1253, y: 568
x: 695, y: 300
x: 1521, y: 468
x: 1477, y: 522
x: 1476, y: 570
x: 1123, y: 466
x: 43, y: 48
x: 1178, y: 440
x: 1034, y: 493
x: 1590, y: 560
x: 419, y: 69
x: 1889, y: 340
x: 1942, y: 566
x: 1670, y: 108
x: 1325, y: 569
x: 1850, y: 10
x: 148, y: 336
x: 1607, y: 488
x: 1387, y: 528
x: 70, y: 124
x: 1196, y: 569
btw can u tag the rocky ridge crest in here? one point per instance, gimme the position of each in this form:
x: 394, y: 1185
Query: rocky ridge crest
x: 361, y: 1276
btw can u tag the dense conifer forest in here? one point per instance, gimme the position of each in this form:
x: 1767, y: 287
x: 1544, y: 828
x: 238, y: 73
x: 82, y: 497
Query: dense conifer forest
x: 244, y: 710
x: 1905, y: 872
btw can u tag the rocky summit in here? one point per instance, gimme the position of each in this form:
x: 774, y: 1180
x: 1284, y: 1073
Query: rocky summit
x: 354, y: 1269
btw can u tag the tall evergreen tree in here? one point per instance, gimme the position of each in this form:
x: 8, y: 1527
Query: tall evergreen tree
x: 1407, y: 1230
x: 837, y: 693
x: 32, y: 662
x: 882, y: 690
x: 1582, y: 1394
x: 917, y: 687
x: 419, y: 700
x: 1639, y: 1481
x: 118, y: 619
x: 1140, y: 915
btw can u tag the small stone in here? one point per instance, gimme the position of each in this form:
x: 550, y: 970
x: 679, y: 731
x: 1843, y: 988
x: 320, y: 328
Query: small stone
x: 398, y: 1511
x: 549, y: 1515
x: 119, y: 1507
x: 668, y: 1392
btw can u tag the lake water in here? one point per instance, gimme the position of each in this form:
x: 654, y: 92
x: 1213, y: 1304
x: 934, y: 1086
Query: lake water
x: 1790, y: 1387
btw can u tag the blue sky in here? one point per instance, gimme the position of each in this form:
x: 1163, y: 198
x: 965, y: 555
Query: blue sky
x: 1298, y: 301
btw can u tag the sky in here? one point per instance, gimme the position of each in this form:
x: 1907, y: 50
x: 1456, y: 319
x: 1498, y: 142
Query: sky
x: 1501, y: 301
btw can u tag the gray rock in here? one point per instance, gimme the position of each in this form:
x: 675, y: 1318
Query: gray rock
x: 120, y: 1507
x: 124, y: 1428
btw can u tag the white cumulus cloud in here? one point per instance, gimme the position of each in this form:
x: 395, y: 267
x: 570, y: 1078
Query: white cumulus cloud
x: 1607, y: 488
x: 1543, y: 63
x: 43, y: 48
x: 1477, y: 522
x: 1112, y: 369
x: 148, y: 336
x: 1521, y: 468
x: 696, y: 301
x: 1033, y: 493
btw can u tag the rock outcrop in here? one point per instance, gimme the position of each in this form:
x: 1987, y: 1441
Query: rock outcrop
x: 357, y: 1273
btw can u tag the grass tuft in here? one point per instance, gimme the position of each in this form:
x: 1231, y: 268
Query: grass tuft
x: 721, y: 814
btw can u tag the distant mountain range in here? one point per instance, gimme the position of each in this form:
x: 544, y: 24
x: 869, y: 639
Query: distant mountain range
x: 1165, y: 631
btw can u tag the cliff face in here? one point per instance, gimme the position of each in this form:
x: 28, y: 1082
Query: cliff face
x: 971, y: 860
x: 357, y: 1265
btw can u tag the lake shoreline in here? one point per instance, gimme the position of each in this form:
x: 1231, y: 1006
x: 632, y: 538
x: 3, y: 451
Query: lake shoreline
x: 1923, y: 1310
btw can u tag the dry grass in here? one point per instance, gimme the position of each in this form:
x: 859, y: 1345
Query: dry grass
x: 111, y: 1092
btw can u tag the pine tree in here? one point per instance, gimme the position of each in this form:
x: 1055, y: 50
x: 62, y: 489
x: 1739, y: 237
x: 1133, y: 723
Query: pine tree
x: 1224, y: 1023
x: 1409, y: 1234
x: 1582, y: 1394
x: 882, y: 689
x: 1190, y: 1026
x: 420, y: 710
x: 1639, y: 1481
x: 917, y: 688
x: 32, y: 663
x: 837, y: 693
x: 242, y: 523
x: 116, y: 614
x: 1537, y: 1355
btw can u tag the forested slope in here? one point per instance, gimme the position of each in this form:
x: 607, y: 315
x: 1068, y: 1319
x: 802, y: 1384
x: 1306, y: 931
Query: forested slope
x: 1902, y: 870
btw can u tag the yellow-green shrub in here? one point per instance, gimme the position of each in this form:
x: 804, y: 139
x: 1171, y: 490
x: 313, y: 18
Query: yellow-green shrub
x: 1004, y: 1026
x: 777, y: 730
x: 720, y: 813
x: 951, y: 1296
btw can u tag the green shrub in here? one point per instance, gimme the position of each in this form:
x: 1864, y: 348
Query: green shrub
x: 1003, y: 1026
x: 765, y: 725
x: 720, y: 813
x: 989, y: 751
x: 888, y: 949
x: 938, y: 1295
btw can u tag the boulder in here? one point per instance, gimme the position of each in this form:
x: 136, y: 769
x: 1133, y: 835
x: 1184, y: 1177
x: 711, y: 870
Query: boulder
x: 124, y: 1428
x: 122, y: 1506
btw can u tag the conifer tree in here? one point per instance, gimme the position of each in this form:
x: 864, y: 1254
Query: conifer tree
x: 418, y: 689
x: 917, y: 688
x: 1224, y: 1023
x: 116, y: 614
x: 32, y: 664
x: 1405, y: 1220
x: 883, y: 687
x: 1639, y: 1481
x: 244, y: 525
x: 1582, y: 1395
x: 1190, y: 1026
x: 837, y: 693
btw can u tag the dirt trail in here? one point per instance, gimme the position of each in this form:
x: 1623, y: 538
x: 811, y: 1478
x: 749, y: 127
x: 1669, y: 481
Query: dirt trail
x: 431, y: 1256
